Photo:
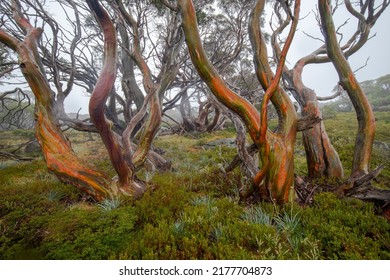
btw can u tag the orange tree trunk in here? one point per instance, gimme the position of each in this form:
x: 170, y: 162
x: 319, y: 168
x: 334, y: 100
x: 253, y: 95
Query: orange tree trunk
x: 322, y: 158
x: 63, y: 162
x: 57, y: 152
x: 276, y: 149
x: 277, y: 153
x: 365, y: 116
x: 278, y: 165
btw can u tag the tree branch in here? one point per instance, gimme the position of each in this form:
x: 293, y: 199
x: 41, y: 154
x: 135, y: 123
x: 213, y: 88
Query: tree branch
x: 239, y: 105
x: 102, y: 91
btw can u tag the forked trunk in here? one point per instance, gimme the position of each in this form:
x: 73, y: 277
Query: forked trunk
x: 276, y: 149
x: 127, y: 182
x: 322, y: 158
x: 149, y: 131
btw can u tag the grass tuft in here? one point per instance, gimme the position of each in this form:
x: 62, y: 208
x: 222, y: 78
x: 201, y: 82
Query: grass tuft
x: 108, y: 205
x: 256, y: 215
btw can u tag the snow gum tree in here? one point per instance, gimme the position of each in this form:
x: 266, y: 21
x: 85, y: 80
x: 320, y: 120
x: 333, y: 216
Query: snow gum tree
x: 37, y: 62
x: 276, y: 148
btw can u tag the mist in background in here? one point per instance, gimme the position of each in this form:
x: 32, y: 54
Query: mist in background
x: 321, y: 77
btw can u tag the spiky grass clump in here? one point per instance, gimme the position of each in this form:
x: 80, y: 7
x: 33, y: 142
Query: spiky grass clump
x: 108, y: 205
x: 256, y: 215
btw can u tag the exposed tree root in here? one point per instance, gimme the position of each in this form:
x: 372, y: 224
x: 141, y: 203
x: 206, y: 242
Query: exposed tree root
x: 358, y: 186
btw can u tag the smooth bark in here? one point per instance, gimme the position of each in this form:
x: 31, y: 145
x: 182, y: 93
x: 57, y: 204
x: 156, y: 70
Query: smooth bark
x: 56, y: 149
x: 366, y: 120
x: 322, y: 158
x: 276, y: 148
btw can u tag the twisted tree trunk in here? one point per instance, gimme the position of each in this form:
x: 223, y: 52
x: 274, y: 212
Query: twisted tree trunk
x: 365, y: 116
x: 103, y: 88
x: 57, y: 152
x: 321, y: 157
x: 276, y: 148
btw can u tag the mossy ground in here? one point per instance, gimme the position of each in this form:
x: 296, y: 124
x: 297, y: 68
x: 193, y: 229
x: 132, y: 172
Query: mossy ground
x: 191, y: 212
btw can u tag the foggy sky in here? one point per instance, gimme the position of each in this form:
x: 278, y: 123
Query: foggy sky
x: 323, y: 77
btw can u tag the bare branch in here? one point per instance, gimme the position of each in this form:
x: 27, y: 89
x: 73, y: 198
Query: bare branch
x: 339, y: 91
x: 363, y: 66
x: 313, y: 37
x: 170, y: 5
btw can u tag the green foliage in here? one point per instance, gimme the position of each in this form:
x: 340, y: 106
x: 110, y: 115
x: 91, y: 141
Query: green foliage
x: 204, y: 9
x: 89, y: 234
x: 160, y: 7
x: 17, y: 134
x: 347, y: 229
x: 378, y: 93
x: 44, y: 219
x: 342, y: 133
x: 191, y: 212
x: 54, y: 195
